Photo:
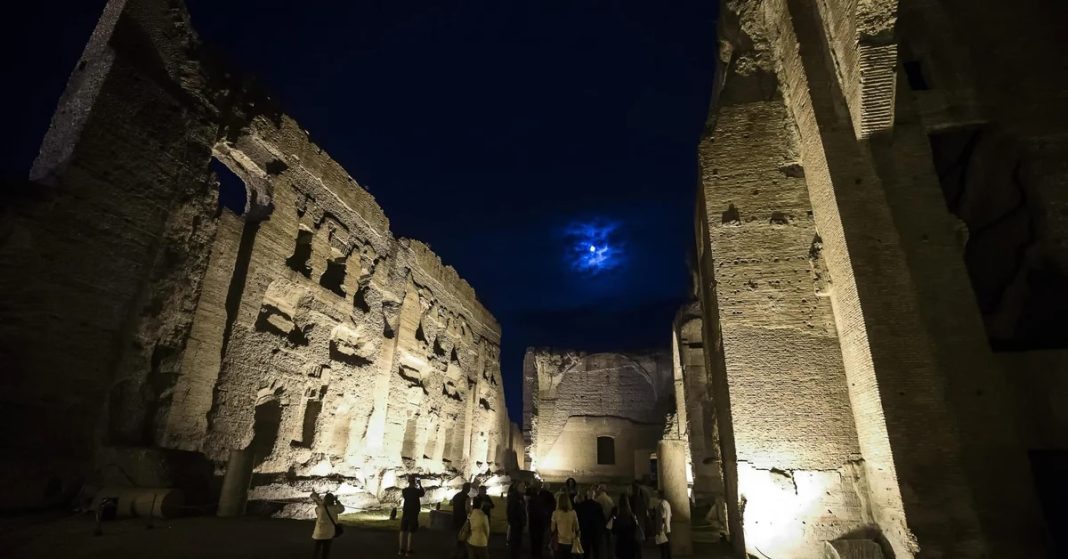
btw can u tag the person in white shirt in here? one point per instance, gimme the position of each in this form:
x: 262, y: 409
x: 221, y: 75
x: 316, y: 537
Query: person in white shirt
x: 327, y: 510
x: 478, y: 541
x: 663, y: 528
x: 564, y: 526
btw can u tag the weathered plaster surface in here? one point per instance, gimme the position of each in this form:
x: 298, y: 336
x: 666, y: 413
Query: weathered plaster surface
x: 571, y: 398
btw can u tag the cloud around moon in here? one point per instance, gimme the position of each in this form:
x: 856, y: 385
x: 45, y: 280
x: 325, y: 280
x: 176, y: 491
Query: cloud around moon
x: 594, y: 246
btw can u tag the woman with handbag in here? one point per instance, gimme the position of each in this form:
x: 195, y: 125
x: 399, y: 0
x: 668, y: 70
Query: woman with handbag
x: 564, y: 529
x: 327, y: 511
x: 478, y: 530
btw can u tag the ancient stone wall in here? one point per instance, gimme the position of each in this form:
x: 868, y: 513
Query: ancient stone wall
x: 906, y: 362
x: 572, y: 398
x: 697, y: 412
x: 298, y: 328
x: 795, y: 446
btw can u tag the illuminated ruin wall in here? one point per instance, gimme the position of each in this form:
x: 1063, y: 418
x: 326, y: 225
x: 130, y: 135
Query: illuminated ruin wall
x: 859, y: 238
x: 696, y: 413
x: 301, y: 329
x: 570, y: 399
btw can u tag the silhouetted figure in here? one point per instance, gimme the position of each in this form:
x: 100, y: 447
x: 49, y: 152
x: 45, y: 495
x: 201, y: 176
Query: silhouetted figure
x: 410, y: 514
x: 591, y: 524
x: 639, y: 503
x: 327, y: 511
x: 461, y: 507
x: 571, y: 488
x: 517, y: 518
x: 482, y: 498
x: 627, y: 531
x: 540, y: 506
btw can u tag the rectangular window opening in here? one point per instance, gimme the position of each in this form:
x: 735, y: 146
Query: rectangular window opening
x: 606, y: 451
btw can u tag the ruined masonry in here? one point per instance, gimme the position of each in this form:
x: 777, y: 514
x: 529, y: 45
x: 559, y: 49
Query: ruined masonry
x: 881, y: 236
x: 197, y: 297
x: 594, y: 416
x: 156, y: 333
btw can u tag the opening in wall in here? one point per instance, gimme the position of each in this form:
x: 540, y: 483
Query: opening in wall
x: 312, y: 409
x: 301, y: 253
x: 914, y: 73
x: 265, y: 426
x: 606, y: 451
x: 334, y: 276
x: 233, y: 193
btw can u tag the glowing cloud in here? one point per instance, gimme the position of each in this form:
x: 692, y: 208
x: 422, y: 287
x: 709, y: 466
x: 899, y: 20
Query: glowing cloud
x: 593, y: 246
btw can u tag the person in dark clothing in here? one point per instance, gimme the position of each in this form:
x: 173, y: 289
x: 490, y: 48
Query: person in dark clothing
x: 482, y: 499
x: 591, y: 524
x: 410, y: 516
x: 540, y: 507
x: 639, y: 504
x: 626, y: 530
x: 517, y: 518
x: 571, y: 488
x: 460, y: 509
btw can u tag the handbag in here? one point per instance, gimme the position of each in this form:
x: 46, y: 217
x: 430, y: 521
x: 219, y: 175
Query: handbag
x: 465, y: 531
x: 639, y: 533
x: 576, y: 545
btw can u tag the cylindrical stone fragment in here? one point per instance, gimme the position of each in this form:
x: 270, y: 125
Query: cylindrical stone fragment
x: 671, y: 463
x: 234, y: 494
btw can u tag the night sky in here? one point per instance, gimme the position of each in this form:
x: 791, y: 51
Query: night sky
x: 546, y: 149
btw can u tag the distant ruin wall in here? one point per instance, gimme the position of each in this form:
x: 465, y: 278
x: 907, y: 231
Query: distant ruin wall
x: 572, y: 398
x: 300, y: 329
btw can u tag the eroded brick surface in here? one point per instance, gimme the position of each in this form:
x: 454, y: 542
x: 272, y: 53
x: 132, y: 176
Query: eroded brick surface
x: 301, y: 329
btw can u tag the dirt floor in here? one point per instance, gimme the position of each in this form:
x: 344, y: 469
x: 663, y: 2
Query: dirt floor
x: 209, y: 537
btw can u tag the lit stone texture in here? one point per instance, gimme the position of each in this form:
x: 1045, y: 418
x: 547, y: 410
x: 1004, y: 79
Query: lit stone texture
x: 849, y: 157
x: 572, y: 398
x: 301, y: 333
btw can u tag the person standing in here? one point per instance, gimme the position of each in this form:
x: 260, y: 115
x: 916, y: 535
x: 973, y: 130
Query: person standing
x: 327, y: 511
x: 571, y: 488
x: 517, y: 518
x: 478, y: 541
x: 411, y: 496
x: 482, y: 497
x: 639, y: 504
x: 564, y: 526
x: 540, y: 507
x: 461, y: 507
x: 591, y: 524
x: 663, y: 529
x: 627, y: 531
x: 608, y: 509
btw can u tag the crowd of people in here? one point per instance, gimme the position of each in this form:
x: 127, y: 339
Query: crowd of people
x: 568, y: 524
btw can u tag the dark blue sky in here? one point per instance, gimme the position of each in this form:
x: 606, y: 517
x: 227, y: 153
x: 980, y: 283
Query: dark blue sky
x: 501, y: 133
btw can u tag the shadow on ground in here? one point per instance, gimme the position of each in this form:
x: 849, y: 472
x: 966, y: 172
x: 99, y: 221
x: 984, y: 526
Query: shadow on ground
x: 209, y: 537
